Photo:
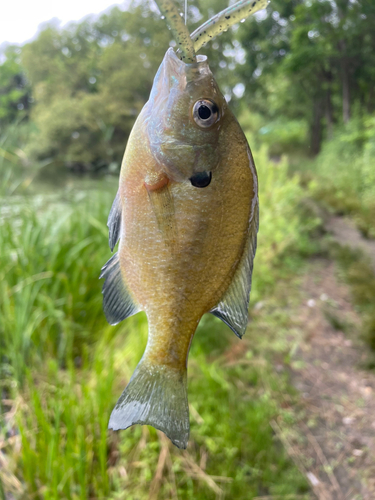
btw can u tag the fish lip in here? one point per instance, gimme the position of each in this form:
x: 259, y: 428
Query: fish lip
x: 201, y: 58
x: 171, y: 59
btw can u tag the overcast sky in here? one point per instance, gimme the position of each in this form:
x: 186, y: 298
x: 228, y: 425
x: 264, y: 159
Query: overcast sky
x: 20, y: 19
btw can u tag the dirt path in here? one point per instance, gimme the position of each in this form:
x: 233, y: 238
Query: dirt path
x: 334, y: 440
x: 338, y: 393
x: 344, y: 231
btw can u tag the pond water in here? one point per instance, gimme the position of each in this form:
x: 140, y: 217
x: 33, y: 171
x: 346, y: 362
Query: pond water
x: 44, y: 189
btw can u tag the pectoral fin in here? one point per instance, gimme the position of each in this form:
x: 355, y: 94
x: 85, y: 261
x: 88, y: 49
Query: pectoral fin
x: 117, y: 301
x: 233, y: 307
x: 114, y: 221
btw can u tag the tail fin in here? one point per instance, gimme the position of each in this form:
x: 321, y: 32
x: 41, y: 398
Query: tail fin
x: 157, y: 396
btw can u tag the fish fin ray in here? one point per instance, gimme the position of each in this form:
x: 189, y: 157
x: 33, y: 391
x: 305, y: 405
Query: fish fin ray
x: 114, y: 221
x: 233, y: 307
x: 156, y: 395
x: 117, y: 301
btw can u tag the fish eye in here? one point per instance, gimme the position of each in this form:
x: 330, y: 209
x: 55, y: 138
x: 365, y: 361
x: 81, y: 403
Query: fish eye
x: 201, y: 179
x: 205, y: 113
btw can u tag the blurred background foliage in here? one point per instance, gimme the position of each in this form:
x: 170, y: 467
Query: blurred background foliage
x: 306, y: 67
x: 300, y: 79
x: 302, y: 76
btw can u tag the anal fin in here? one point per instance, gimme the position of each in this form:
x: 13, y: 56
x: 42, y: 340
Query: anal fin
x: 117, y: 301
x: 233, y: 307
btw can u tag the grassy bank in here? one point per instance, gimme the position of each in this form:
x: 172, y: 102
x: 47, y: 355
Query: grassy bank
x: 63, y: 367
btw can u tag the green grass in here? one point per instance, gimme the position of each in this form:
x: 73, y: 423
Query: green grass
x: 50, y: 292
x: 357, y: 271
x: 16, y: 173
x: 63, y: 367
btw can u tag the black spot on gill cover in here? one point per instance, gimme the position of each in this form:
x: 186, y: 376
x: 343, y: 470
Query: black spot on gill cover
x: 201, y: 179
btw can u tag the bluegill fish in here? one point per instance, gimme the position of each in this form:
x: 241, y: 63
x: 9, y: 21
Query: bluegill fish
x: 186, y: 218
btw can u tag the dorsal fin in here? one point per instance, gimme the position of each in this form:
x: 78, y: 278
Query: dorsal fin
x: 114, y: 221
x: 117, y: 301
x: 233, y: 307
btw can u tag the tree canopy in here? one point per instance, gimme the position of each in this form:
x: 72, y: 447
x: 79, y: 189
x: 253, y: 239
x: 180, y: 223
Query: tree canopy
x: 308, y: 62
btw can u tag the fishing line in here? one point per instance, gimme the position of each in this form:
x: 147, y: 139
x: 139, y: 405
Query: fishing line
x: 185, y: 11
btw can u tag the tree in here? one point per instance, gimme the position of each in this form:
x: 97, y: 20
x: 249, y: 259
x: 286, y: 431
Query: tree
x: 90, y: 81
x: 325, y: 51
x: 14, y: 89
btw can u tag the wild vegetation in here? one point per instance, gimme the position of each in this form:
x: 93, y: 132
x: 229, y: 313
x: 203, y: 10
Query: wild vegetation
x: 299, y: 79
x: 52, y: 318
x: 302, y: 72
x: 305, y: 62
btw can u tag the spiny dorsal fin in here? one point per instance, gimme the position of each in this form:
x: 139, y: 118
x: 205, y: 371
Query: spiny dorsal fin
x: 233, y: 307
x: 114, y: 221
x: 117, y: 302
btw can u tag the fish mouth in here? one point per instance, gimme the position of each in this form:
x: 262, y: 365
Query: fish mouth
x: 172, y: 58
x: 174, y: 73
